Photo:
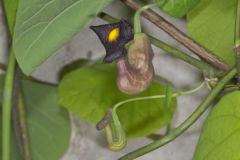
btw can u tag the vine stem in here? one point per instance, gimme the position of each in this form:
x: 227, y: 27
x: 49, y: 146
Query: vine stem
x: 178, y: 35
x: 201, y: 65
x: 6, y: 106
x: 115, y: 133
x: 176, y: 94
x: 137, y: 17
x: 186, y: 124
x: 237, y: 41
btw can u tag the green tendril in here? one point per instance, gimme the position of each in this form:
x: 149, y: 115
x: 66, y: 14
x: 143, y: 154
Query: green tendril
x: 137, y: 16
x: 182, y: 93
x: 115, y: 133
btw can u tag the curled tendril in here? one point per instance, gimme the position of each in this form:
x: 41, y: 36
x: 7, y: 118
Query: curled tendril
x: 211, y: 82
x: 115, y: 133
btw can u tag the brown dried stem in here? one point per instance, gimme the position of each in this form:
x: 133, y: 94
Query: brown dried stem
x: 203, y: 66
x: 178, y: 35
x: 19, y: 117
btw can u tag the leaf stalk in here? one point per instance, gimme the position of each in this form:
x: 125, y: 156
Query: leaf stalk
x: 137, y: 17
x: 115, y: 133
x: 7, y: 105
x: 186, y: 124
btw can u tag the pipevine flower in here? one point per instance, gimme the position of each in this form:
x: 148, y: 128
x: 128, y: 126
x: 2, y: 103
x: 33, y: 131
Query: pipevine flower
x: 135, y: 69
x: 135, y: 72
x: 114, y: 37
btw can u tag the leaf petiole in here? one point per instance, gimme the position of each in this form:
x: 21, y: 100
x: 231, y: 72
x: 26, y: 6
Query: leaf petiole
x: 7, y: 105
x: 186, y: 124
x: 115, y: 133
x: 137, y: 16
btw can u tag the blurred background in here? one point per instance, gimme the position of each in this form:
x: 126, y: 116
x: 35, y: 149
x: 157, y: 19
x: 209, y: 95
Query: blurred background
x: 89, y: 144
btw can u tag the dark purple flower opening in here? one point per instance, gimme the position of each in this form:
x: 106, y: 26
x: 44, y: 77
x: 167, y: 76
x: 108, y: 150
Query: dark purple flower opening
x: 114, y: 49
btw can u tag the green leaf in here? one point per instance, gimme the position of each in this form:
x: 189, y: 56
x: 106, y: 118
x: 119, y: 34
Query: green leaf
x: 43, y: 26
x: 220, y: 137
x: 177, y: 8
x: 90, y: 91
x: 48, y: 123
x: 212, y: 24
x: 10, y: 7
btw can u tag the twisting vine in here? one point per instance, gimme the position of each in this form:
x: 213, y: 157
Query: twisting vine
x: 186, y: 124
x: 137, y: 17
x: 129, y: 71
x: 115, y: 133
x: 169, y: 28
x: 7, y: 105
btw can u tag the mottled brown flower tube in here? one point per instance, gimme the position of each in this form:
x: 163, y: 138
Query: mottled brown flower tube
x: 135, y: 72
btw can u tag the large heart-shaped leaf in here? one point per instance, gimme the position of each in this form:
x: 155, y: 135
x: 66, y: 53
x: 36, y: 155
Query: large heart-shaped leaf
x: 212, y: 24
x: 177, y: 8
x: 90, y: 91
x: 48, y: 123
x: 43, y: 26
x: 220, y: 137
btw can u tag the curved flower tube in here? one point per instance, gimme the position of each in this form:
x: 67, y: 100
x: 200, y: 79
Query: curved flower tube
x: 135, y: 72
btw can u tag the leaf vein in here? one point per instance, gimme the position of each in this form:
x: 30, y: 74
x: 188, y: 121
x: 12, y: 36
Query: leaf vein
x: 45, y: 28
